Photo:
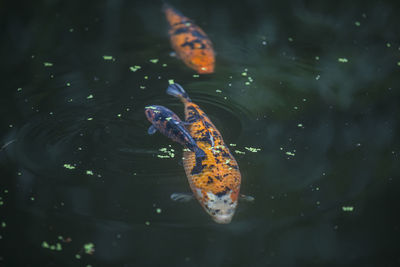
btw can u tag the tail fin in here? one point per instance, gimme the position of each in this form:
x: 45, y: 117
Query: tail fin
x: 177, y: 91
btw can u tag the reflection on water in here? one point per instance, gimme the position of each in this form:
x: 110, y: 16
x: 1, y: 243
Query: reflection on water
x: 305, y: 93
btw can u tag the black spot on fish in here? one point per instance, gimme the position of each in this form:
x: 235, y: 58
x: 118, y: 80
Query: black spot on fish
x: 181, y: 30
x: 210, y: 180
x: 223, y: 192
x: 198, y: 34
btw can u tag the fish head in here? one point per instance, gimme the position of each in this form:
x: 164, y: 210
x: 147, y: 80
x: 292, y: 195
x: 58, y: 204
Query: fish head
x: 221, y: 208
x: 152, y: 111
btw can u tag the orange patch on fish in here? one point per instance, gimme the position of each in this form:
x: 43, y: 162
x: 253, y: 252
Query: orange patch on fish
x: 190, y: 42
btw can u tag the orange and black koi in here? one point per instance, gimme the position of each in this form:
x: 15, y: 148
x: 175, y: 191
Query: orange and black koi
x: 217, y: 185
x: 169, y: 124
x: 190, y: 42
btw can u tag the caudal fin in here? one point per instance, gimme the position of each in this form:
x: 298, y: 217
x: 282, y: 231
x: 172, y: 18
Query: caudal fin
x: 177, y: 91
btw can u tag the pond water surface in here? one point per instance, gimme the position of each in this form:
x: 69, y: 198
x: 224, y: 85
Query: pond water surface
x: 306, y: 94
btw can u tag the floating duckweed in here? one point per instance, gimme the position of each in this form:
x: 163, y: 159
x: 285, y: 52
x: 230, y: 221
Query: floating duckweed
x: 68, y: 84
x: 89, y: 97
x: 196, y: 76
x: 347, y: 208
x: 5, y: 191
x: 155, y: 60
x: 119, y: 115
x: 69, y: 166
x: 45, y: 244
x: 290, y: 153
x: 290, y: 39
x: 357, y: 23
x: 247, y: 83
x: 3, y: 224
x: 147, y: 223
x: 90, y: 119
x: 300, y: 125
x: 158, y: 210
x: 19, y: 89
x: 167, y: 153
x: 171, y: 81
x: 58, y: 247
x: 388, y: 45
x: 240, y: 152
x: 146, y: 77
x: 71, y: 30
x: 218, y: 91
x: 77, y: 256
x: 164, y: 65
x: 295, y: 107
x: 135, y: 68
x: 316, y: 57
x: 398, y: 63
x: 186, y: 149
x: 232, y: 144
x: 343, y: 60
x: 48, y: 64
x: 252, y: 149
x: 317, y: 77
x: 244, y: 74
x: 108, y: 57
x: 89, y: 172
x: 142, y: 87
x: 89, y: 248
x: 1, y: 203
x: 33, y: 198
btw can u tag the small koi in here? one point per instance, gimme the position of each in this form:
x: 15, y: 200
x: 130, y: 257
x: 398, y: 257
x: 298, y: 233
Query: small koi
x: 189, y: 41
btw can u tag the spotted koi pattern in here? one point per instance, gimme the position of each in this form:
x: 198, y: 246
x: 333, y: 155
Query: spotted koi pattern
x: 169, y: 124
x: 217, y: 185
x: 190, y: 42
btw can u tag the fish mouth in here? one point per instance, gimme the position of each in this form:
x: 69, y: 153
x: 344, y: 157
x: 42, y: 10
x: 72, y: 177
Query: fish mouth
x: 223, y: 219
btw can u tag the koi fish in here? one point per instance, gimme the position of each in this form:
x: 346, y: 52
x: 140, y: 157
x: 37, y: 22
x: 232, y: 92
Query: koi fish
x: 216, y: 186
x: 190, y: 42
x: 169, y: 124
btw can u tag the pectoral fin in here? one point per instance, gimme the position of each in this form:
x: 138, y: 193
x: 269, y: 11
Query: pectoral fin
x: 182, y: 197
x: 246, y: 198
x: 152, y: 130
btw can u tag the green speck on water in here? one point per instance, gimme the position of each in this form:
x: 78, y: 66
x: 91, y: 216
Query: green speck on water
x: 60, y: 237
x: 1, y: 203
x: 3, y: 224
x: 347, y: 208
x: 45, y: 244
x: 196, y: 76
x: 158, y: 210
x: 232, y: 144
x: 316, y: 57
x: 155, y: 60
x: 33, y: 198
x: 119, y: 115
x: 89, y: 248
x: 105, y: 57
x: 135, y: 68
x: 364, y: 15
x: 357, y: 23
x: 19, y: 173
x: 19, y: 89
x: 10, y: 126
x: 171, y: 81
x: 295, y: 107
x: 142, y: 87
x: 69, y: 166
x: 240, y: 152
x: 318, y: 202
x: 89, y: 172
x: 90, y: 119
x: 146, y: 77
x: 290, y: 39
x: 317, y: 77
x: 147, y: 223
x: 5, y: 191
x: 164, y: 65
x: 71, y: 30
x: 300, y: 125
x: 48, y: 64
x: 68, y: 84
x: 290, y: 153
x: 388, y: 45
x: 398, y: 63
x: 89, y: 97
x: 244, y: 74
x: 252, y: 149
x: 58, y: 247
x: 343, y: 60
x: 77, y: 256
x: 247, y: 83
x: 218, y: 91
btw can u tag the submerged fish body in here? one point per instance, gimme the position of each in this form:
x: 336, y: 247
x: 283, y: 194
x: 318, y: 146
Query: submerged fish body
x: 169, y: 124
x: 190, y: 42
x: 217, y: 185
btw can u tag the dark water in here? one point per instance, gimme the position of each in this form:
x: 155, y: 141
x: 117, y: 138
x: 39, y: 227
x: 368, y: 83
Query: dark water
x: 78, y: 171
